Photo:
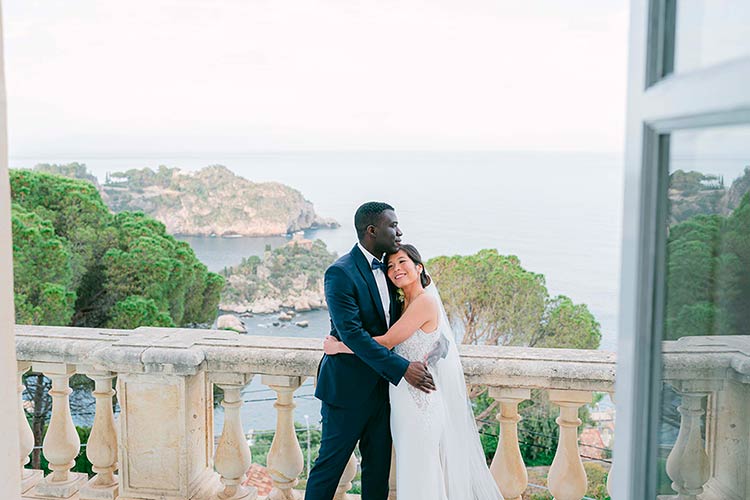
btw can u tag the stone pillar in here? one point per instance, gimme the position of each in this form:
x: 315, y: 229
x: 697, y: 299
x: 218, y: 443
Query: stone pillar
x: 233, y: 459
x: 567, y: 478
x: 9, y: 449
x: 61, y: 442
x: 166, y: 431
x: 285, y: 460
x: 101, y: 449
x: 687, y: 464
x: 507, y: 466
x: 346, y: 479
x: 29, y: 477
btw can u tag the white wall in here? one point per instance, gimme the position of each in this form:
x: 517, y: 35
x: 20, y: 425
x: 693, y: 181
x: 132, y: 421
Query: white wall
x: 10, y: 480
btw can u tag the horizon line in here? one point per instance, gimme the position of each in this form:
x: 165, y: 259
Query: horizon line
x: 198, y: 154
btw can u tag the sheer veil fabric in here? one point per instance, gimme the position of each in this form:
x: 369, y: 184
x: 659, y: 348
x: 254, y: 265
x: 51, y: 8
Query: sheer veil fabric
x: 443, y: 436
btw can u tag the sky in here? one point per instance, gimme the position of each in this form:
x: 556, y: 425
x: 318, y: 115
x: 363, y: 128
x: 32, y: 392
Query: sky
x: 93, y: 77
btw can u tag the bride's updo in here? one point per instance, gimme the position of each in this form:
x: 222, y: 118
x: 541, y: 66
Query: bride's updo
x: 413, y: 254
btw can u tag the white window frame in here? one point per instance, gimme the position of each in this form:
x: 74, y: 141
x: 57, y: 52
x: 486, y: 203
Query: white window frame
x: 709, y: 97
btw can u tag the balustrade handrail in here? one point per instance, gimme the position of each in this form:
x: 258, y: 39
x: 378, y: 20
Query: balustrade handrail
x: 185, y: 351
x: 164, y: 377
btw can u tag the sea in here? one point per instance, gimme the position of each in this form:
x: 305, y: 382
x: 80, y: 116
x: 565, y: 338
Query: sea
x: 559, y: 212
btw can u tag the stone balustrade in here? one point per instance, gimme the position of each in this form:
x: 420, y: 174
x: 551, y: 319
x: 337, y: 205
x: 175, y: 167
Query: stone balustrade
x: 163, y: 446
x: 710, y: 457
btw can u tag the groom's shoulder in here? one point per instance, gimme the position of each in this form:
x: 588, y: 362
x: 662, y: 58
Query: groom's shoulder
x: 344, y: 262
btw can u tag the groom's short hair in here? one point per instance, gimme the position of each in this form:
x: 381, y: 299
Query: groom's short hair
x: 367, y: 215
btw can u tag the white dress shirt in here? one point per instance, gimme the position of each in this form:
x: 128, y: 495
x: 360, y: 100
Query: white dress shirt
x: 382, y: 281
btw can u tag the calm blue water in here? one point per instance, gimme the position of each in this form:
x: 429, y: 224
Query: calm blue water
x: 559, y: 212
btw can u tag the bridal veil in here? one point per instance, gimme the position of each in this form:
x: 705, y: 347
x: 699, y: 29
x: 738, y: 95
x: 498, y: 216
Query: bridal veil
x: 467, y: 476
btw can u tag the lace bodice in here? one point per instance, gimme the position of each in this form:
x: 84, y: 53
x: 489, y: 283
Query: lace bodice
x: 416, y: 347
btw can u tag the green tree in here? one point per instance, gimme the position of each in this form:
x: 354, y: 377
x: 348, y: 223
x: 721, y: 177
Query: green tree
x: 566, y: 324
x: 708, y: 275
x: 135, y: 311
x: 64, y: 235
x: 42, y: 273
x: 77, y: 264
x: 492, y: 300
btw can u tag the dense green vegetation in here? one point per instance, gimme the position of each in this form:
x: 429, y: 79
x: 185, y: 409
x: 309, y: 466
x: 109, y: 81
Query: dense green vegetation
x: 282, y: 273
x: 492, y: 300
x: 708, y: 275
x: 75, y: 263
x: 73, y: 170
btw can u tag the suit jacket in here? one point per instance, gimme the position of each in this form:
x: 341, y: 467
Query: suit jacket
x: 357, y: 315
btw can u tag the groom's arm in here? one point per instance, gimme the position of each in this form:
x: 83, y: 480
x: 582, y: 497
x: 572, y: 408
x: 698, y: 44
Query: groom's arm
x: 344, y: 310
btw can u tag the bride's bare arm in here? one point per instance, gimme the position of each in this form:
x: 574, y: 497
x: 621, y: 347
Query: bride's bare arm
x: 420, y: 313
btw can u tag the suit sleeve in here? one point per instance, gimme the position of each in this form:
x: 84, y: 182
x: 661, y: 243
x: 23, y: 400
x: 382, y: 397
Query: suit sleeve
x: 344, y: 311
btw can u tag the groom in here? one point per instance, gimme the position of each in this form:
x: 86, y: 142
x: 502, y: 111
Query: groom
x: 354, y: 389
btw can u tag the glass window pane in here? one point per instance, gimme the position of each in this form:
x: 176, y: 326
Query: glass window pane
x: 705, y: 416
x: 709, y: 32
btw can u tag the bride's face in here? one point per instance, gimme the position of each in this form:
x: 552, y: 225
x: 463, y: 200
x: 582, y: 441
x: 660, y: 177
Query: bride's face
x: 402, y: 271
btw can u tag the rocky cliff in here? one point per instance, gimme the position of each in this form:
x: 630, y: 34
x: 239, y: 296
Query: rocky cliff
x: 212, y: 201
x: 694, y: 193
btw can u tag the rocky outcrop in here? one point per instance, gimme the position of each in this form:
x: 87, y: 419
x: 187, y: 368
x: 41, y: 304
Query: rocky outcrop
x: 289, y: 277
x: 694, y: 193
x: 739, y: 188
x: 230, y: 322
x: 213, y: 201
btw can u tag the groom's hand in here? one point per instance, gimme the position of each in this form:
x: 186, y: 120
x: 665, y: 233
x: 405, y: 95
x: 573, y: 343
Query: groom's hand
x: 418, y: 376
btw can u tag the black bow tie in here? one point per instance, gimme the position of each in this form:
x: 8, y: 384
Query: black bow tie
x: 376, y: 264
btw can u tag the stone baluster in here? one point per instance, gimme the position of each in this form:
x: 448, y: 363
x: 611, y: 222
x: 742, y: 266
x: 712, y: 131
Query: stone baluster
x: 688, y: 464
x: 392, y: 476
x: 566, y: 479
x: 101, y: 448
x: 346, y: 479
x: 61, y: 442
x: 285, y: 459
x: 233, y: 459
x: 29, y: 477
x: 507, y: 466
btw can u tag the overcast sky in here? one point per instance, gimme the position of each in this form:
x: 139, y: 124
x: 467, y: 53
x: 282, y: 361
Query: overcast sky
x: 95, y: 77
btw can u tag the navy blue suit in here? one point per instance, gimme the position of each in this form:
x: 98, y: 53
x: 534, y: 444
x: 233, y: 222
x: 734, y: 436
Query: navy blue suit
x: 354, y: 388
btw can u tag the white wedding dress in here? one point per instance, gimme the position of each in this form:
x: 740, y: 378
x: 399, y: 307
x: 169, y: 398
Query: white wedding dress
x: 438, y: 452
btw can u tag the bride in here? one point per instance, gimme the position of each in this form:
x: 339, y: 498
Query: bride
x: 438, y: 452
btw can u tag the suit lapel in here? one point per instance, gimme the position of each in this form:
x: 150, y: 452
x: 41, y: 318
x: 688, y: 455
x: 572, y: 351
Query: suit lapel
x: 366, y: 270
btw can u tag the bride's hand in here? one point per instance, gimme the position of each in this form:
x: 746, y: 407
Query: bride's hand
x: 331, y: 345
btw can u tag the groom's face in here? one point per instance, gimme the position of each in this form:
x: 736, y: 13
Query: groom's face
x: 388, y: 235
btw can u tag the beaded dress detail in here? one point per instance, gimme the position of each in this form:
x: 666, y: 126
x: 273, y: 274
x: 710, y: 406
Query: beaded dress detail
x: 415, y: 348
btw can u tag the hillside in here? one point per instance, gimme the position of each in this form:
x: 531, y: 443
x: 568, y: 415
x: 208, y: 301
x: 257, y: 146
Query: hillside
x: 212, y: 201
x: 290, y: 276
x: 695, y: 193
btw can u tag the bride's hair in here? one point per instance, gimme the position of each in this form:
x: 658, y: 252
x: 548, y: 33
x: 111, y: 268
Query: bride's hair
x: 413, y: 254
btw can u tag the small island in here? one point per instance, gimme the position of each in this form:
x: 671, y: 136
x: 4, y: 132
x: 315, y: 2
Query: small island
x: 289, y: 277
x: 212, y: 201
